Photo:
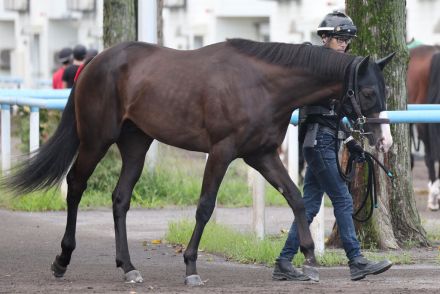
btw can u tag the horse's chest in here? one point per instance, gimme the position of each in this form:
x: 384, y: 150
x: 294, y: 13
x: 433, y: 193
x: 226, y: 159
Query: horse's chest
x: 263, y: 139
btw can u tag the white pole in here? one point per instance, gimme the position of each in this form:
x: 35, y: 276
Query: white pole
x: 258, y: 215
x: 317, y: 230
x: 292, y: 153
x: 147, y: 32
x: 34, y: 129
x: 6, y: 137
x: 147, y: 21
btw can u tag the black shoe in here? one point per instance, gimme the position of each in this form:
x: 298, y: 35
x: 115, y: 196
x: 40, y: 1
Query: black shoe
x: 361, y: 267
x: 284, y: 271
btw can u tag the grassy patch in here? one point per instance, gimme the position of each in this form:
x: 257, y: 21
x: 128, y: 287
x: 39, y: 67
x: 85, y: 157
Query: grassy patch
x: 242, y: 247
x: 395, y: 258
x: 433, y: 235
x: 247, y: 248
x: 176, y: 181
x: 37, y: 201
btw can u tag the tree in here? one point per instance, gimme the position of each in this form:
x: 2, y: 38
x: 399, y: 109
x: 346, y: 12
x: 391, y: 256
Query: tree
x: 120, y: 21
x: 381, y: 30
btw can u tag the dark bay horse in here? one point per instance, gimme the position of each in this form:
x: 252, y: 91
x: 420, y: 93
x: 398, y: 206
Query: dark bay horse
x: 232, y: 100
x: 423, y: 86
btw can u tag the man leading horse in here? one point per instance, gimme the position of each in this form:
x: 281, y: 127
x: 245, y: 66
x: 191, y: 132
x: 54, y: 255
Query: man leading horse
x: 319, y: 129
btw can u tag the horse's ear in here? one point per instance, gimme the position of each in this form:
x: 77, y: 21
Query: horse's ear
x: 363, y: 65
x: 384, y: 61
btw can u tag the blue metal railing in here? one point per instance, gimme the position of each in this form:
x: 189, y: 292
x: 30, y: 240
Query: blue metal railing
x: 416, y: 113
x: 57, y: 99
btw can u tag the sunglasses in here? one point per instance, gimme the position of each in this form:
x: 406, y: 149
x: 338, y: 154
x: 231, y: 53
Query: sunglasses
x: 341, y: 41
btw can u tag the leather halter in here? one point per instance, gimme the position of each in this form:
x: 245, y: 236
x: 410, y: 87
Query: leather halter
x: 353, y: 96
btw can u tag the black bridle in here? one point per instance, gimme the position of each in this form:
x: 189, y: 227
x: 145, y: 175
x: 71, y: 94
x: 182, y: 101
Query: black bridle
x: 352, y: 95
x: 357, y: 125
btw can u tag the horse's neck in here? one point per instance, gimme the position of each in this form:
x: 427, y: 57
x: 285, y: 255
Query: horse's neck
x: 308, y: 92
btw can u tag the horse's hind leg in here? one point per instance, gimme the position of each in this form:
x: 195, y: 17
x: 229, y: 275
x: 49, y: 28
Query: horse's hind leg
x: 85, y: 163
x: 272, y: 169
x: 218, y: 161
x: 133, y: 145
x: 437, y: 184
x: 433, y: 185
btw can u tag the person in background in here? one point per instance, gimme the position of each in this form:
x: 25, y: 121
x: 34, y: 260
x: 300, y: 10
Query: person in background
x: 91, y: 53
x: 64, y: 57
x: 79, y: 55
x: 322, y: 175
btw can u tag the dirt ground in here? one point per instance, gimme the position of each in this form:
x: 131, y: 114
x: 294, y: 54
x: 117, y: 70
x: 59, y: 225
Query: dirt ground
x: 30, y: 241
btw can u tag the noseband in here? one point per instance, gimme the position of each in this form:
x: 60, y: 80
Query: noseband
x: 353, y: 96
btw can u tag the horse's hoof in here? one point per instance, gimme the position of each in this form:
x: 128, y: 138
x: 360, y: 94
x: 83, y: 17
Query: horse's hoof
x: 193, y: 280
x: 433, y: 206
x: 311, y: 272
x: 57, y: 269
x: 133, y: 276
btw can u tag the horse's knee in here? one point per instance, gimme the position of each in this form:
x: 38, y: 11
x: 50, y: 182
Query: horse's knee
x: 298, y: 207
x: 204, y: 210
x: 120, y: 206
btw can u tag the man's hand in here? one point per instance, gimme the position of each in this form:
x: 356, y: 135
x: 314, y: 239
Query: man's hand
x: 355, y: 149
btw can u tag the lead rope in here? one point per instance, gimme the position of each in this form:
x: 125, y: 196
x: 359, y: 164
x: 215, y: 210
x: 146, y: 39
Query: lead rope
x: 348, y: 176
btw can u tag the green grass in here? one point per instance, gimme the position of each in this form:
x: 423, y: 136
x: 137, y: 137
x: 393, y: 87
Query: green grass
x: 37, y: 201
x: 241, y: 247
x: 176, y: 181
x: 247, y: 248
x: 433, y: 235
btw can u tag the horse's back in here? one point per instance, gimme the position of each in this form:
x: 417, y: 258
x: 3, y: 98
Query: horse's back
x: 418, y: 73
x: 167, y: 93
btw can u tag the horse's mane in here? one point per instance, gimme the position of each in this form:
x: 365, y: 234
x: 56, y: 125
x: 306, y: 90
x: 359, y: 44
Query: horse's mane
x: 319, y: 60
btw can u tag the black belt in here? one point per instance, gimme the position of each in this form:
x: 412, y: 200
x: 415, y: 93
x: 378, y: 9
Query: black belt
x: 341, y: 134
x: 327, y: 129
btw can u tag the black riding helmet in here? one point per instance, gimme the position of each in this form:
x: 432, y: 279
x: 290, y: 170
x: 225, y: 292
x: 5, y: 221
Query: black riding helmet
x: 79, y: 52
x: 65, y: 55
x: 337, y: 24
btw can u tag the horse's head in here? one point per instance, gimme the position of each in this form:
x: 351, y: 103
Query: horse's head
x: 365, y: 101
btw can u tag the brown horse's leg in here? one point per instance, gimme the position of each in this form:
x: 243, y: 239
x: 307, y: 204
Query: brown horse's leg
x: 133, y: 145
x: 272, y: 169
x: 77, y: 178
x: 424, y: 137
x: 430, y: 165
x: 218, y: 161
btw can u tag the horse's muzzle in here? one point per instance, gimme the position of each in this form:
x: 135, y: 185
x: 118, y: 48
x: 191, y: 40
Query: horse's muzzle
x: 386, y: 141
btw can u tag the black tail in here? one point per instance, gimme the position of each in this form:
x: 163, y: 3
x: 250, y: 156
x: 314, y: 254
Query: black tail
x: 50, y: 163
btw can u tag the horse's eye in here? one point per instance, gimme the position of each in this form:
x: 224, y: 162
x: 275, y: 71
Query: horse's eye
x: 367, y: 92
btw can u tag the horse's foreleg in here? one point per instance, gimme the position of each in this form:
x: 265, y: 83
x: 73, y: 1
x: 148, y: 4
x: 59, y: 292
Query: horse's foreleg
x: 433, y: 185
x: 77, y: 182
x: 272, y: 169
x: 132, y: 145
x: 430, y: 165
x: 218, y: 161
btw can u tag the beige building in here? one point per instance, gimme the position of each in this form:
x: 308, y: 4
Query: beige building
x: 33, y: 31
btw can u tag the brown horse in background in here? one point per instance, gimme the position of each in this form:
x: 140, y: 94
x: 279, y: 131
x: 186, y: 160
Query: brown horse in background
x: 423, y: 84
x: 232, y: 100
